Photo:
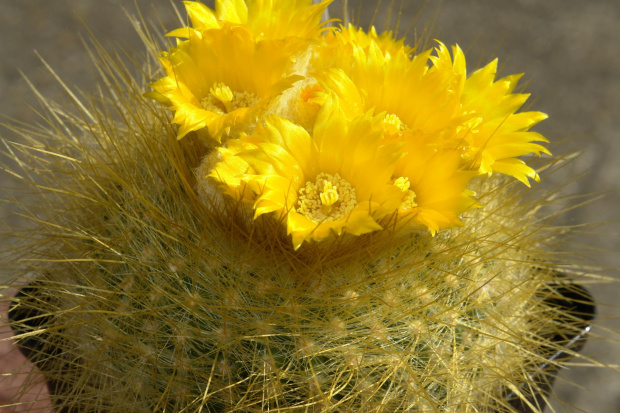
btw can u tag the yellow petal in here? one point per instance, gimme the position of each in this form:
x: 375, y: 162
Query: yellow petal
x: 516, y: 168
x: 201, y: 16
x: 234, y: 11
x: 330, y: 132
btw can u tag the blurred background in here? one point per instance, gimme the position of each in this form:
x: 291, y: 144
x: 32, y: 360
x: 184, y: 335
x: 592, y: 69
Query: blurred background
x: 569, y: 51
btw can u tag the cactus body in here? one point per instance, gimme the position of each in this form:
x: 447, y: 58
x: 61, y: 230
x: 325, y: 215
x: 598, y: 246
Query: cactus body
x: 155, y: 291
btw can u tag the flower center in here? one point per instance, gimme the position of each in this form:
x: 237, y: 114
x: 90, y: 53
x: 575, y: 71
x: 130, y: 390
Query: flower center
x: 222, y: 99
x: 393, y: 124
x: 403, y: 184
x: 328, y: 198
x: 309, y: 92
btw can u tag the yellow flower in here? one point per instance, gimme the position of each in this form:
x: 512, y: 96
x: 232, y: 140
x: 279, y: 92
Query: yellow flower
x: 231, y: 168
x: 434, y: 187
x: 424, y: 99
x: 495, y: 135
x: 337, y: 180
x: 222, y: 80
x: 356, y: 35
x: 431, y: 97
x: 265, y: 19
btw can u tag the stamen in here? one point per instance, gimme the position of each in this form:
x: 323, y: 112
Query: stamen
x: 223, y: 93
x: 393, y: 124
x: 222, y: 100
x: 402, y: 183
x: 408, y: 195
x: 328, y: 198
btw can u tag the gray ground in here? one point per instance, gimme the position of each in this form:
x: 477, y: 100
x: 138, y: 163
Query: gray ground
x: 569, y: 50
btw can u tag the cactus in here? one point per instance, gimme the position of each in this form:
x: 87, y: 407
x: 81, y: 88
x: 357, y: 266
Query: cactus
x: 158, y: 285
